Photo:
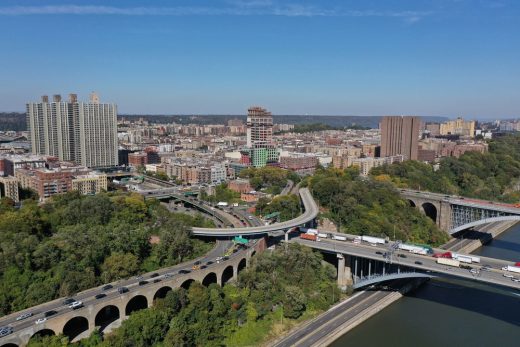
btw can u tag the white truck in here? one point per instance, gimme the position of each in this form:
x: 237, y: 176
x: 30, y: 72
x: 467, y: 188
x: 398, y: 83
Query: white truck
x: 511, y: 268
x: 222, y: 203
x: 413, y: 249
x: 371, y: 239
x: 312, y: 231
x: 339, y: 238
x: 448, y: 261
x: 465, y: 258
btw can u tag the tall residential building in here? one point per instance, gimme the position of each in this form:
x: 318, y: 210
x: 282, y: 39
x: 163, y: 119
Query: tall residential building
x: 260, y: 145
x: 84, y: 133
x: 458, y: 127
x: 400, y: 136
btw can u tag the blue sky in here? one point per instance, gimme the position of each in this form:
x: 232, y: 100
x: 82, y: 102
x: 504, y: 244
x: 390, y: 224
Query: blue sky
x: 344, y: 57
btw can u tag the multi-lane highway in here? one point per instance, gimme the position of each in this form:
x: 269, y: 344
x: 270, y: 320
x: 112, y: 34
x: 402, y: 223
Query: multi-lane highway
x: 420, y: 262
x: 311, y: 211
x: 88, y: 296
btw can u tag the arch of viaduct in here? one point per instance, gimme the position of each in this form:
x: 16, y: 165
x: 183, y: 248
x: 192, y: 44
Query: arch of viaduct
x: 108, y: 314
x: 438, y: 210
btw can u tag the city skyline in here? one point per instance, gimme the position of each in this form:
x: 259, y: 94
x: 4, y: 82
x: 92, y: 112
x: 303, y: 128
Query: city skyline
x: 449, y: 58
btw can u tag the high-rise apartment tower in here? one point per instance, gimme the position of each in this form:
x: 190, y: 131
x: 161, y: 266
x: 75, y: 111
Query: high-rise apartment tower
x: 260, y: 143
x: 400, y: 136
x: 84, y: 133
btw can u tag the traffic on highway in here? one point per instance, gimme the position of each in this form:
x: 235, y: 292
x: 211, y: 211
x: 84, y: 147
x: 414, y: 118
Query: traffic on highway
x: 489, y: 270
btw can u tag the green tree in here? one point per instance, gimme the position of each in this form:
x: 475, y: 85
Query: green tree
x: 119, y: 266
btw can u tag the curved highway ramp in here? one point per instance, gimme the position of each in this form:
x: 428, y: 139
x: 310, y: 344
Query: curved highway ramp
x: 309, y: 205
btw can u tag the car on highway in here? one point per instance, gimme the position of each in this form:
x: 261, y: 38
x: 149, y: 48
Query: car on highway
x: 225, y: 258
x: 486, y: 268
x: 7, y: 330
x: 380, y: 253
x: 122, y: 290
x: 515, y: 279
x: 508, y: 276
x: 143, y: 282
x: 68, y: 301
x: 24, y: 316
x: 139, y: 277
x: 75, y: 305
x: 155, y: 274
x: 203, y: 267
x: 107, y: 287
x: 402, y: 256
x: 41, y: 320
x: 49, y: 313
x: 197, y: 262
x: 209, y: 262
x: 157, y: 280
x: 100, y: 296
x: 474, y: 271
x: 184, y: 271
x: 418, y: 262
x: 168, y: 275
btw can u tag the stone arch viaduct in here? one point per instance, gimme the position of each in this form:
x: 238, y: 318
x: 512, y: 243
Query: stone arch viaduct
x: 108, y: 313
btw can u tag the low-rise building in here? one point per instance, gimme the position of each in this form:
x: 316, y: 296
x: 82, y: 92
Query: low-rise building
x: 9, y: 188
x: 90, y: 183
x: 240, y: 186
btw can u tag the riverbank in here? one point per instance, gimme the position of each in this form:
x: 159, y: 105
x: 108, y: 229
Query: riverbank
x: 343, y: 317
x: 484, y: 235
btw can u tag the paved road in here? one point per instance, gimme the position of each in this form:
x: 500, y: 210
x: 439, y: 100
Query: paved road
x: 329, y: 321
x: 88, y: 295
x: 311, y: 211
x: 420, y: 262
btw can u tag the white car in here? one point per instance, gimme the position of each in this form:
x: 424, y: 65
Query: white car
x: 41, y: 320
x: 508, y: 276
x: 76, y: 305
x: 515, y: 280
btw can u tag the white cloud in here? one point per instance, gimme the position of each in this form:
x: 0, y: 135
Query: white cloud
x: 236, y: 8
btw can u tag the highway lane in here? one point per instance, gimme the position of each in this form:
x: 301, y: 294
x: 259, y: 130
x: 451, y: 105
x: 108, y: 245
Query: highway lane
x: 427, y: 263
x: 87, y: 296
x: 326, y: 323
x: 311, y: 211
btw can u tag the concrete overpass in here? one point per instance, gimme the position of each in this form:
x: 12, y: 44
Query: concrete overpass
x: 108, y: 312
x: 455, y: 213
x: 360, y: 264
x: 308, y: 216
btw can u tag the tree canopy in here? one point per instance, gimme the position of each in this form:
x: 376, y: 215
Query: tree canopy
x: 75, y: 242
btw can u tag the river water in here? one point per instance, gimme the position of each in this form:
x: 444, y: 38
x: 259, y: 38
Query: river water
x: 452, y: 313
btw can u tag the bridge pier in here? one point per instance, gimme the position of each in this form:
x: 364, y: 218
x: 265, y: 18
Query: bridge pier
x: 344, y: 272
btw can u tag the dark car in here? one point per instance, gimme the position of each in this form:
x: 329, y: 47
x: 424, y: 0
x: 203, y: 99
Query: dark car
x: 203, y: 266
x: 157, y: 280
x: 49, y: 313
x: 122, y: 290
x: 154, y: 275
x: 197, y: 262
x: 418, y: 262
x: 142, y: 283
x: 182, y: 272
x: 68, y: 301
x: 209, y: 262
x: 379, y: 253
x: 235, y: 250
x: 107, y: 287
x: 100, y: 296
x: 401, y: 255
x: 225, y: 258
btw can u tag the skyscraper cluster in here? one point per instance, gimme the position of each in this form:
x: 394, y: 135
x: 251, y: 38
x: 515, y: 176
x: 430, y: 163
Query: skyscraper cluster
x: 80, y: 132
